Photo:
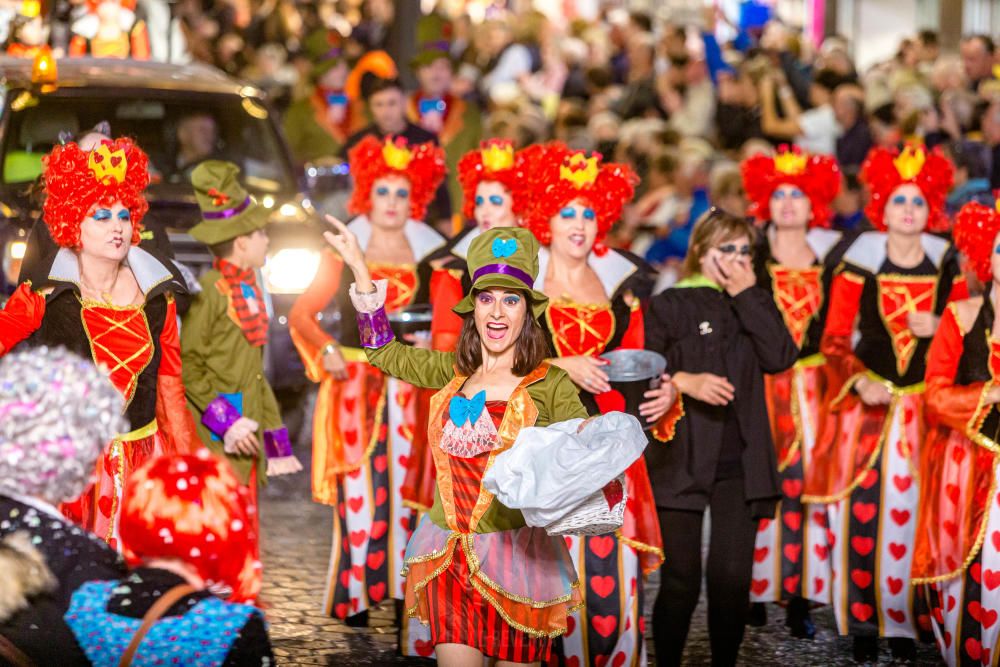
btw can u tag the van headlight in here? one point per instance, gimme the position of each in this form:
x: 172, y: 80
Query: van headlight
x: 290, y: 270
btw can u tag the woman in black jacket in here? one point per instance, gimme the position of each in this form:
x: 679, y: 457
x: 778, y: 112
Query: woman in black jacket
x: 720, y: 333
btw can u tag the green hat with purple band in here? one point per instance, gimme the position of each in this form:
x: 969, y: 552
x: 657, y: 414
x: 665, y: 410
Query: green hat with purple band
x: 506, y: 258
x: 227, y: 209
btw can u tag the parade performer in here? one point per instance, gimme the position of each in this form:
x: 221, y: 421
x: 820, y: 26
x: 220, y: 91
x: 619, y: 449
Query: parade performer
x: 224, y: 332
x: 956, y: 554
x: 105, y: 298
x: 110, y: 29
x: 794, y: 259
x: 484, y: 582
x: 187, y: 531
x: 891, y: 289
x: 28, y: 33
x: 318, y: 125
x: 364, y: 421
x: 595, y: 306
x: 720, y: 333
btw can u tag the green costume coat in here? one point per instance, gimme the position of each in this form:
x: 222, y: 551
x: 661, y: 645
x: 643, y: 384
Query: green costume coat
x: 217, y: 359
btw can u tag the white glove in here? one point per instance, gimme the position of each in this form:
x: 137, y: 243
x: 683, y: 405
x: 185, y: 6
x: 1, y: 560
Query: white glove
x: 240, y: 438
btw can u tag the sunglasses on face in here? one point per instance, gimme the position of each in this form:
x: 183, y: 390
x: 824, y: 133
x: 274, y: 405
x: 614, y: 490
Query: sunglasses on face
x: 729, y: 249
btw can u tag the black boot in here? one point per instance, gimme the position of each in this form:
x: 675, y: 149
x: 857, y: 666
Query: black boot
x: 904, y: 651
x: 359, y: 620
x: 758, y: 615
x: 866, y: 650
x: 799, y: 620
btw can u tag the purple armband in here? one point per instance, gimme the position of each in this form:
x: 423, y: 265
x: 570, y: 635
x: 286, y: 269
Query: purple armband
x: 219, y: 415
x: 276, y: 443
x: 375, y: 329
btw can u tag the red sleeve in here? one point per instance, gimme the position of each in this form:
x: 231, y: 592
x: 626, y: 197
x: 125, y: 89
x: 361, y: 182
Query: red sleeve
x: 446, y: 292
x: 959, y: 407
x: 20, y: 317
x: 77, y: 46
x: 959, y: 289
x: 836, y: 344
x: 176, y: 426
x: 308, y: 336
x: 140, y: 42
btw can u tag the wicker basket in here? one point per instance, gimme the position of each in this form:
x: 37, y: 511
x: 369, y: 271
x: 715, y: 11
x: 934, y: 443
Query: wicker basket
x: 596, y: 515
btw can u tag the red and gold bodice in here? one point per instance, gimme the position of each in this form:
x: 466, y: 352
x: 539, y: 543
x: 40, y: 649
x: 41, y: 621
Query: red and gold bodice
x: 994, y: 358
x: 579, y: 329
x: 798, y: 294
x: 120, y: 340
x: 403, y: 283
x: 899, y: 296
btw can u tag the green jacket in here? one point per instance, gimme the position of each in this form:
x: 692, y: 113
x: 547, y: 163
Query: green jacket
x: 554, y: 396
x: 217, y: 359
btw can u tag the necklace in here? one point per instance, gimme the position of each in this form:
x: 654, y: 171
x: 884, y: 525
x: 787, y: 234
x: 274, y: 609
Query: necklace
x: 105, y: 295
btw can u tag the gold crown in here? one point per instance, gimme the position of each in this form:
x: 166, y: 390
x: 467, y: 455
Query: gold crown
x: 909, y: 162
x: 789, y: 163
x: 498, y: 157
x: 108, y: 166
x: 31, y: 8
x: 579, y: 170
x: 396, y: 156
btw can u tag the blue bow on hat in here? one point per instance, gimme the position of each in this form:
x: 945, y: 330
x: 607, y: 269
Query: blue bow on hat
x: 504, y: 247
x: 463, y: 410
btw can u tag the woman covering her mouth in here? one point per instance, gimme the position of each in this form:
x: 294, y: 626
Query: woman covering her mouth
x: 485, y: 582
x: 106, y: 299
x: 596, y: 302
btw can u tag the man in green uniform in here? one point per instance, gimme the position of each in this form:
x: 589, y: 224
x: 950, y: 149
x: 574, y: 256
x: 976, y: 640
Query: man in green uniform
x: 457, y: 123
x: 224, y: 331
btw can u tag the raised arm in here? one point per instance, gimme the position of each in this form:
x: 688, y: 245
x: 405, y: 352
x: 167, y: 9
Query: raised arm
x: 20, y: 317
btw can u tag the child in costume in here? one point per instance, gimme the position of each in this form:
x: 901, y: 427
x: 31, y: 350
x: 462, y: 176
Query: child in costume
x: 794, y: 259
x: 885, y: 303
x: 956, y: 555
x: 595, y: 306
x: 364, y: 421
x: 110, y: 29
x: 106, y: 299
x: 224, y: 331
x: 484, y: 582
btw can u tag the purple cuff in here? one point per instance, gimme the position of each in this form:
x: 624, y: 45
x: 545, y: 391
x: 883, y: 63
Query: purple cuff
x: 374, y: 328
x: 219, y: 415
x: 276, y: 443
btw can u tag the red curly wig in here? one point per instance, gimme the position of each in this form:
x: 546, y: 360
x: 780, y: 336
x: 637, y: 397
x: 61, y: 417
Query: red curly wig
x: 976, y: 228
x: 193, y: 509
x: 77, y: 181
x: 818, y: 176
x: 558, y: 175
x: 885, y: 170
x: 422, y: 165
x: 494, y: 160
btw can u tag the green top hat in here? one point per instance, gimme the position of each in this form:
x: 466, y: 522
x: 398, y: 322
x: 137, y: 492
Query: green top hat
x: 433, y: 40
x: 325, y: 48
x: 227, y: 209
x: 506, y: 257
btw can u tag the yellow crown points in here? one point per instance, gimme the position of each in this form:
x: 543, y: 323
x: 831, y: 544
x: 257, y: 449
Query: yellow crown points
x: 909, y: 162
x: 579, y: 170
x: 396, y: 156
x: 108, y: 166
x: 498, y: 157
x: 31, y: 8
x: 789, y: 163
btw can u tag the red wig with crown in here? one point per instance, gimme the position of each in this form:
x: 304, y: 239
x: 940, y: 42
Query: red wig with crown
x: 422, y: 165
x: 77, y: 181
x: 193, y: 509
x: 558, y: 175
x: 817, y: 176
x: 976, y: 228
x: 885, y: 170
x: 494, y: 160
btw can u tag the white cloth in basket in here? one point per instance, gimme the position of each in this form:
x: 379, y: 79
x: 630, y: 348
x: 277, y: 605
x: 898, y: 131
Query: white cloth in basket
x: 551, y: 470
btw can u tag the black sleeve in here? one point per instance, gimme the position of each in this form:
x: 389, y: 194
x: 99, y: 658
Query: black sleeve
x: 658, y: 316
x: 762, y: 322
x: 252, y: 647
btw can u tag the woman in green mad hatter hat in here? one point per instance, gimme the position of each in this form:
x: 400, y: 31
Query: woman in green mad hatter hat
x: 484, y: 582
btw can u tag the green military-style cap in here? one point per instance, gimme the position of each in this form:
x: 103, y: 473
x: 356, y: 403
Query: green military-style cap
x: 325, y: 50
x: 433, y: 40
x: 505, y: 257
x: 227, y: 209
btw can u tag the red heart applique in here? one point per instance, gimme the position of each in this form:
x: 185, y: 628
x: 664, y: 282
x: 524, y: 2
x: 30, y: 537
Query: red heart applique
x: 355, y: 504
x: 380, y: 496
x: 423, y: 648
x: 613, y: 493
x: 821, y: 551
x: 861, y: 578
x: 375, y: 560
x: 991, y: 579
x: 340, y: 610
x: 792, y: 488
x: 759, y: 555
x: 378, y: 529
x: 897, y: 550
x: 868, y: 480
x: 379, y: 463
x: 358, y: 537
x: 896, y: 615
x: 862, y: 545
x: 895, y: 585
x: 793, y: 520
x: 604, y: 625
x: 818, y: 585
x: 902, y: 483
x: 792, y: 552
x: 792, y: 583
x: 901, y: 517
x: 358, y: 571
x: 601, y: 546
x: 864, y: 512
x: 376, y: 592
x: 603, y: 586
x: 862, y: 611
x: 758, y: 586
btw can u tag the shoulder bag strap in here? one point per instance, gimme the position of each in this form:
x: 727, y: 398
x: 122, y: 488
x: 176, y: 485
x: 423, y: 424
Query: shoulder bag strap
x: 159, y: 608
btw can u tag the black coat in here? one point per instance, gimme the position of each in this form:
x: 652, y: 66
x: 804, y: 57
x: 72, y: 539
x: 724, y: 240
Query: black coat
x: 704, y: 330
x: 75, y: 557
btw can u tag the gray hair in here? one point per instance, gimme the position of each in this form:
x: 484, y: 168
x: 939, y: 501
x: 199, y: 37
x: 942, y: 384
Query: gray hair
x: 57, y: 413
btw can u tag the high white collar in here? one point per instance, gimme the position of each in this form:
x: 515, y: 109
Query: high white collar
x: 461, y: 247
x: 148, y: 271
x: 421, y: 237
x: 612, y: 270
x: 868, y: 251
